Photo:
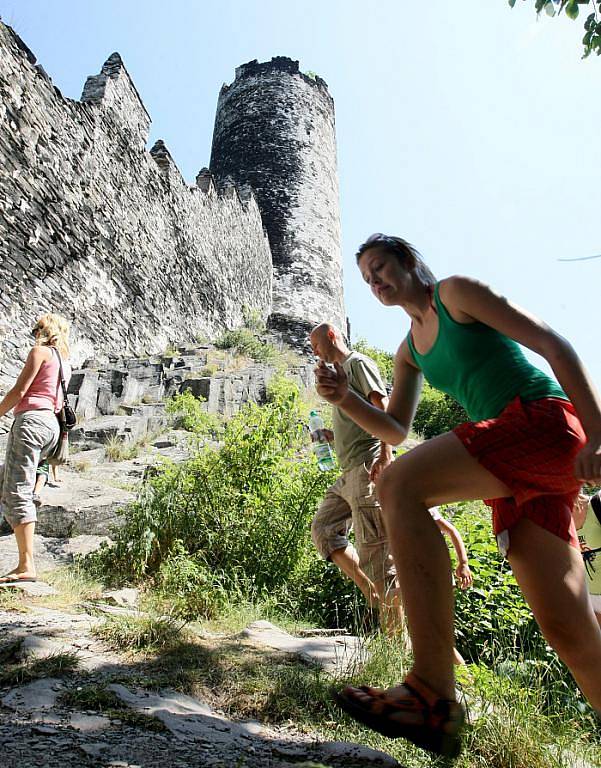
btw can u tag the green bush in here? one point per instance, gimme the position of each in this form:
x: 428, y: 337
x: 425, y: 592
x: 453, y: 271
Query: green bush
x: 494, y: 625
x: 243, y: 511
x: 188, y: 413
x: 492, y: 614
x: 187, y: 588
x: 245, y: 342
x: 437, y: 413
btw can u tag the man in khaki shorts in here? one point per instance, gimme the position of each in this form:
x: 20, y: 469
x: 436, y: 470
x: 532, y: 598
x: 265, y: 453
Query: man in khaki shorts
x: 351, y: 501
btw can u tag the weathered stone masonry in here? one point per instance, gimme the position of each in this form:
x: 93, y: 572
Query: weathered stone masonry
x: 95, y: 227
x: 275, y: 131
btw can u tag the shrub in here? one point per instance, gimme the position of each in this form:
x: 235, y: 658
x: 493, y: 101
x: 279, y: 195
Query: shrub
x: 495, y: 626
x: 140, y: 633
x: 245, y: 342
x: 437, y: 413
x: 492, y: 613
x: 242, y: 511
x: 188, y: 413
x: 116, y: 449
x: 187, y: 588
x: 253, y: 319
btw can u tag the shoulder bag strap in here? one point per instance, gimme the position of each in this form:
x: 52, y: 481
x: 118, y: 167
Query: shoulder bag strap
x: 61, y: 379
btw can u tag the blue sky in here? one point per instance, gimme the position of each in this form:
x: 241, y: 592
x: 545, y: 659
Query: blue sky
x: 469, y: 128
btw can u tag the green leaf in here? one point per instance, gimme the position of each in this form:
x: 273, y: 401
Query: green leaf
x: 571, y: 9
x: 511, y: 3
x: 550, y: 8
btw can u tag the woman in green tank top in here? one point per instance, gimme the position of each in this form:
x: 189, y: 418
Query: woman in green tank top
x: 530, y: 445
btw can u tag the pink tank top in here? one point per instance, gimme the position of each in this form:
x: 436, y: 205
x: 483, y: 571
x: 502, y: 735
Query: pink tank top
x: 44, y: 392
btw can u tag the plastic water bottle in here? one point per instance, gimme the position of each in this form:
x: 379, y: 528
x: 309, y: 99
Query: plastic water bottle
x: 321, y: 447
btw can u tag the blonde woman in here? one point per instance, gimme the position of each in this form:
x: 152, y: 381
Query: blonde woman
x: 35, y: 399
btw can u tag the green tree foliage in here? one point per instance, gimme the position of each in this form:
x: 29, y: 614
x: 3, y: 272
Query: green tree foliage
x: 571, y: 8
x: 436, y: 413
x: 384, y: 360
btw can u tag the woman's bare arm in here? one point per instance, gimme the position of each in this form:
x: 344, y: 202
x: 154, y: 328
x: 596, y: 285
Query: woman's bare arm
x: 34, y: 361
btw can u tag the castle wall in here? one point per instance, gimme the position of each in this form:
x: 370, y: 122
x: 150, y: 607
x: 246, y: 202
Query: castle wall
x: 97, y: 228
x: 275, y: 131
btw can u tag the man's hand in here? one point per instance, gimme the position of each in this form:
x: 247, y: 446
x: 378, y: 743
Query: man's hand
x: 464, y: 576
x: 379, y: 466
x: 328, y: 434
x: 332, y: 385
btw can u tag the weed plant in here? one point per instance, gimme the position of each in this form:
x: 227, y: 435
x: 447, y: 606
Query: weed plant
x: 140, y: 632
x: 116, y: 449
x: 56, y: 665
x: 240, y: 514
x: 188, y: 413
x: 97, y: 698
x: 246, y: 342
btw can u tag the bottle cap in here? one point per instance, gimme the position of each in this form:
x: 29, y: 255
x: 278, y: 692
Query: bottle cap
x: 313, y: 413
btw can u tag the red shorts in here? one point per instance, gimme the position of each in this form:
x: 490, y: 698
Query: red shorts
x: 531, y: 447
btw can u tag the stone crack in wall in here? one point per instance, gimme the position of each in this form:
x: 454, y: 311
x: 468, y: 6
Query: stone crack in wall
x: 97, y: 228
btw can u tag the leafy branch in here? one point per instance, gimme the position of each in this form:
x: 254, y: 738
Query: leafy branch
x: 592, y: 24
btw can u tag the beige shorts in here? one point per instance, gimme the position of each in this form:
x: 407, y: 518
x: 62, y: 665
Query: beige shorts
x: 32, y: 437
x: 351, y: 502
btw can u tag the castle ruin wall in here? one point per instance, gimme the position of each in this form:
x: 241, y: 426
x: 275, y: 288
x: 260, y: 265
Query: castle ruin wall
x: 99, y: 229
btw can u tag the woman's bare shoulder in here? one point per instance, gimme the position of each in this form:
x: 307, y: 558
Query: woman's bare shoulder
x: 40, y: 354
x: 403, y: 355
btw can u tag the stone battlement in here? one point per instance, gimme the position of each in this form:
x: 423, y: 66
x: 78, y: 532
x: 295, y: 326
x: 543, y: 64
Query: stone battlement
x: 277, y: 64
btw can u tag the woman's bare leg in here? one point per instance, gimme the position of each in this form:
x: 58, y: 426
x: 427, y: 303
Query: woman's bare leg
x: 549, y: 571
x: 26, y: 567
x: 24, y: 536
x: 552, y: 578
x: 435, y: 472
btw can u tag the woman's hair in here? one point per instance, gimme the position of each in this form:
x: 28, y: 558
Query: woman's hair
x: 53, y: 331
x: 406, y: 253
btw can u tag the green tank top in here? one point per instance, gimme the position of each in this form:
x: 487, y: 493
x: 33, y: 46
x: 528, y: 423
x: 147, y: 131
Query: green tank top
x: 482, y: 369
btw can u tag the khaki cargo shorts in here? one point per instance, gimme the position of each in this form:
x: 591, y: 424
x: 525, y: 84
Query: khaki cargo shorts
x: 351, y: 502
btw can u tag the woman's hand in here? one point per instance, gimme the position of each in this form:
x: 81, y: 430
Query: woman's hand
x: 332, y: 385
x: 588, y: 461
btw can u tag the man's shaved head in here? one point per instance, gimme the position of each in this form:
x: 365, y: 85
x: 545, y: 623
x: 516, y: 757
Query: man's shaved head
x: 324, y: 330
x: 328, y: 343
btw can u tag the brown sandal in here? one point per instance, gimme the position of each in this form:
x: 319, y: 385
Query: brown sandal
x: 421, y: 717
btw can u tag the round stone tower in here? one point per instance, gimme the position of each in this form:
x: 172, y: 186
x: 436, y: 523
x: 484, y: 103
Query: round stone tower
x: 274, y: 130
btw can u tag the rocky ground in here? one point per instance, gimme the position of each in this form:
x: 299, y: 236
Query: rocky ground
x: 44, y: 723
x: 49, y: 654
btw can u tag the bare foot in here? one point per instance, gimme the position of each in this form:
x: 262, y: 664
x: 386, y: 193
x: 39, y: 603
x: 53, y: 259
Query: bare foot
x: 16, y: 575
